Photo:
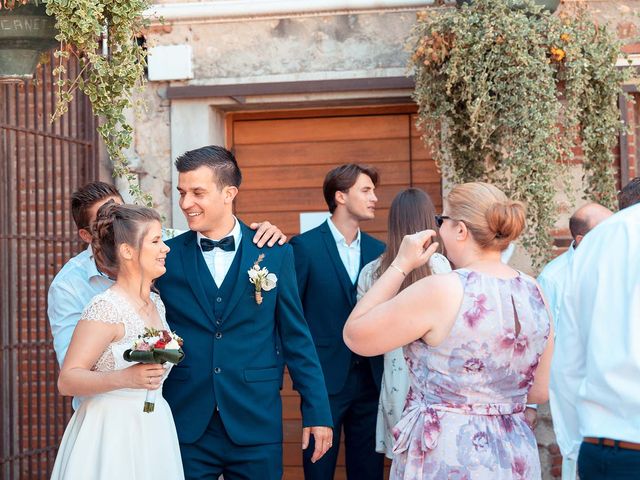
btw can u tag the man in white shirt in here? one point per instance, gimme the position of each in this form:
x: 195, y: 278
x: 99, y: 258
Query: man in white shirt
x: 552, y: 277
x: 328, y: 261
x: 552, y: 280
x: 595, y: 375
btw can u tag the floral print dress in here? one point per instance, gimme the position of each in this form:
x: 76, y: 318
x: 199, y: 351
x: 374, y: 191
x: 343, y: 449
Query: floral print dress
x: 464, y: 415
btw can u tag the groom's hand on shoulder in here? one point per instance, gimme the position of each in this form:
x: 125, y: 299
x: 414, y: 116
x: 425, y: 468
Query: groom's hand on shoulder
x: 268, y: 234
x: 323, y: 439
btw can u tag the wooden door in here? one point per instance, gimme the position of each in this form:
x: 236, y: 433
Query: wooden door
x: 284, y: 157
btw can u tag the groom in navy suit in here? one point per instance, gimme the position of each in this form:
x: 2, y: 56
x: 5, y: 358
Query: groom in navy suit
x: 328, y: 261
x: 225, y: 395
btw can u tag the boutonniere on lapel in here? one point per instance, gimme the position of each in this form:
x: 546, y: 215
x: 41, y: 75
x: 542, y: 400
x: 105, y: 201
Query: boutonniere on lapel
x: 261, y: 278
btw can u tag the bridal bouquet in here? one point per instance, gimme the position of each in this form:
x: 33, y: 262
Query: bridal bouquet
x: 155, y: 346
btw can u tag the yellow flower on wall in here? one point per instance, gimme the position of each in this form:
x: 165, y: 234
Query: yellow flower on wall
x: 557, y: 54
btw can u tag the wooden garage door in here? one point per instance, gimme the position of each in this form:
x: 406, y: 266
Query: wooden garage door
x: 284, y: 157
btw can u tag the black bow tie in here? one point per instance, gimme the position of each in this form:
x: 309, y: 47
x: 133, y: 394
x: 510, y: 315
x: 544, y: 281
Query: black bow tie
x: 227, y: 244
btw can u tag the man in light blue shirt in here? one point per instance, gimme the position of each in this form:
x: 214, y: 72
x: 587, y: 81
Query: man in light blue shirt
x: 79, y: 279
x: 595, y: 374
x: 553, y: 280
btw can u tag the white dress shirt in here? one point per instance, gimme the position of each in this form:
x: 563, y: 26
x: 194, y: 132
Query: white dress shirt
x: 219, y: 261
x: 71, y: 290
x: 349, y: 254
x: 553, y: 279
x: 595, y: 373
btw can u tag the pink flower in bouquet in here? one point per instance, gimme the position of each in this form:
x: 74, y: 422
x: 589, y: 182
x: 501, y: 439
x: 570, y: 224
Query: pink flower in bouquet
x: 142, y: 346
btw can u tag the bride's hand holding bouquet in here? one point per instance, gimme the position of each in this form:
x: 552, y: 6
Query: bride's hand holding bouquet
x: 153, y: 349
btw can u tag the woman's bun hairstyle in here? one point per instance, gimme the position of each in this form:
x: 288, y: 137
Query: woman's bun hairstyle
x: 103, y: 239
x: 506, y: 221
x: 493, y: 220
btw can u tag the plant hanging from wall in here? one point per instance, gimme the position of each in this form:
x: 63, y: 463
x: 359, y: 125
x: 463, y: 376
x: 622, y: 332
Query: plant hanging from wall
x: 103, y: 36
x: 506, y: 94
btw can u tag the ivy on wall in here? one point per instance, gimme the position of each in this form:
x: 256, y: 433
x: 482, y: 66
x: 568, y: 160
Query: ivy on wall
x: 506, y: 94
x: 111, y: 70
x: 103, y: 36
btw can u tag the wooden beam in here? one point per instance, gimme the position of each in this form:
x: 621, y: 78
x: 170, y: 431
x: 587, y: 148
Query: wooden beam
x: 239, y: 90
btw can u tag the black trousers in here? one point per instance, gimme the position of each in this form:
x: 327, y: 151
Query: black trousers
x: 355, y: 409
x: 215, y: 454
x: 599, y: 462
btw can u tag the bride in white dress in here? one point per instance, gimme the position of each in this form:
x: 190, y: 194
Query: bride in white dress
x: 109, y: 436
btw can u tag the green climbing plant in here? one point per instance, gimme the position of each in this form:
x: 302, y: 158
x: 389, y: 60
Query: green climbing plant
x: 506, y: 95
x: 103, y: 36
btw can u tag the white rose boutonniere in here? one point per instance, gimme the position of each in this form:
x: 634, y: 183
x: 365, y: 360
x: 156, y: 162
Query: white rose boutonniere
x: 261, y: 279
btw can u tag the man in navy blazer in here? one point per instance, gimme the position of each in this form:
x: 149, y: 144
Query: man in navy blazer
x: 328, y: 261
x: 225, y: 395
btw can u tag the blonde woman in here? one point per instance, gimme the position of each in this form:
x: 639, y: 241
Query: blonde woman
x: 478, y: 344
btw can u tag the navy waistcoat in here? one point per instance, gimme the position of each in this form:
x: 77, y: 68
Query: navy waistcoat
x: 219, y: 296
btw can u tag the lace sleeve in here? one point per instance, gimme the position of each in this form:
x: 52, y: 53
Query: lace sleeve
x: 101, y: 310
x: 159, y: 305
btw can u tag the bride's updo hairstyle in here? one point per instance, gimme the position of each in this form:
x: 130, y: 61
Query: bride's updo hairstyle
x: 493, y: 220
x: 117, y: 224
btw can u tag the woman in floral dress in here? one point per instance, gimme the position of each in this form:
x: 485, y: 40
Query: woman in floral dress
x: 412, y: 210
x: 478, y: 345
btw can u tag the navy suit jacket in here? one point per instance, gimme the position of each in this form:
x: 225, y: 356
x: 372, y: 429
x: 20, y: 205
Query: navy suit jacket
x: 328, y: 297
x: 235, y: 361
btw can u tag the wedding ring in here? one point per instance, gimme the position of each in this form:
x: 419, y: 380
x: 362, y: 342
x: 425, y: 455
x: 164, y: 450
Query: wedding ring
x: 149, y: 380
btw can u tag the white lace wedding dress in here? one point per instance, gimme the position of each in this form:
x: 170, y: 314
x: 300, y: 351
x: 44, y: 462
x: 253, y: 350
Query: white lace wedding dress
x: 109, y: 436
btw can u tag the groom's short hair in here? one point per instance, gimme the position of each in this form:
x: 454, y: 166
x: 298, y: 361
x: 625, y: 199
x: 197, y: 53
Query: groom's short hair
x: 342, y: 178
x: 219, y: 159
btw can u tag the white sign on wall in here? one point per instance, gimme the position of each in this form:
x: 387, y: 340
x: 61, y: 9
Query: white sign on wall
x: 170, y: 62
x: 310, y: 220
